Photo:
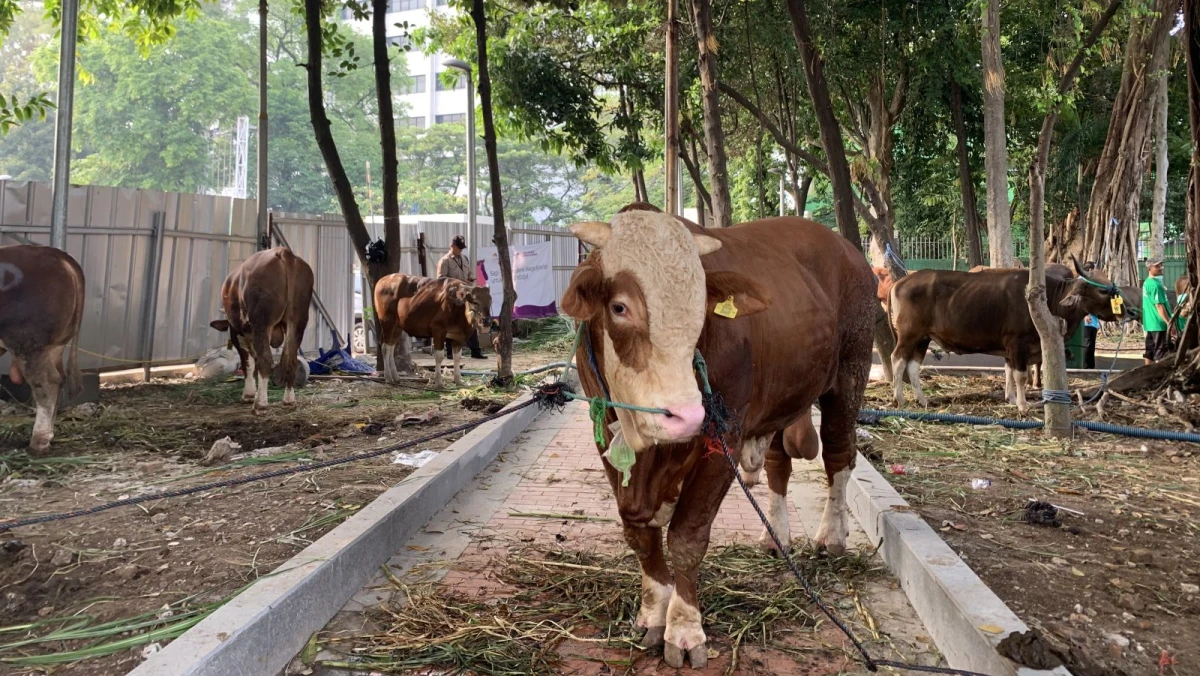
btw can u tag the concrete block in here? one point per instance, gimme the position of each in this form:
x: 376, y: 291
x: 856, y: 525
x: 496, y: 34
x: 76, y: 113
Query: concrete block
x: 258, y: 632
x: 948, y: 596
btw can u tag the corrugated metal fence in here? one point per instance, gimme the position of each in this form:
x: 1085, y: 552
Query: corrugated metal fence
x: 120, y: 236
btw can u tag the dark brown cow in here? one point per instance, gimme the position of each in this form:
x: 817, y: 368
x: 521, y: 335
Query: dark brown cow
x: 442, y: 309
x: 985, y: 313
x: 41, y: 307
x: 266, y: 306
x: 650, y: 295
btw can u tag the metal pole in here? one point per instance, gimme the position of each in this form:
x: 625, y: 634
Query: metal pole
x: 62, y: 123
x: 264, y: 238
x: 473, y: 237
x: 150, y: 309
x: 671, y: 161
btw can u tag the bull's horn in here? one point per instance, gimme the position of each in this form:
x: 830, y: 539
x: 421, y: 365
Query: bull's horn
x: 595, y: 233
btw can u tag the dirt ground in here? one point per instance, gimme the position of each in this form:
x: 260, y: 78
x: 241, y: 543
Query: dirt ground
x: 1114, y: 587
x: 91, y: 596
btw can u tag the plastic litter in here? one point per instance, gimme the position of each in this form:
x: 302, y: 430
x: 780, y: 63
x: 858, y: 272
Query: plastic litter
x: 414, y: 459
x: 619, y: 454
x: 899, y: 469
x: 337, y: 358
x: 981, y: 484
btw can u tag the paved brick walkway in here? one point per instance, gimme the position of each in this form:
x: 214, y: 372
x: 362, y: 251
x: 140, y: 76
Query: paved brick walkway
x: 554, y: 470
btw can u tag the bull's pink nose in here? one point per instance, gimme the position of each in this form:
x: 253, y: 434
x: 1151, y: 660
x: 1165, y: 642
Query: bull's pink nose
x: 683, y: 422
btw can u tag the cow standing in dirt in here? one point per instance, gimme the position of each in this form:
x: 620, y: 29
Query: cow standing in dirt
x: 266, y: 306
x: 445, y: 309
x: 782, y: 311
x: 41, y: 308
x: 986, y: 312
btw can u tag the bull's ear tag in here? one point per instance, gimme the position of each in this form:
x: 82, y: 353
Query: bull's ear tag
x: 726, y: 308
x: 1117, y: 302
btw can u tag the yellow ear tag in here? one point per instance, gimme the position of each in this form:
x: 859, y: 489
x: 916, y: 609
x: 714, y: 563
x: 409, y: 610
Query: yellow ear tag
x: 726, y: 308
x: 1116, y: 301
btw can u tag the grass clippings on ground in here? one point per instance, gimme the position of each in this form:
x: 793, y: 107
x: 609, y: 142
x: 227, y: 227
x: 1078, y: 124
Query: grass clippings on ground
x: 747, y: 597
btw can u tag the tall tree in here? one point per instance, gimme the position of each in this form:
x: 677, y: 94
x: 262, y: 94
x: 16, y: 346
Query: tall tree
x: 314, y: 13
x: 1054, y: 367
x: 1113, y: 217
x: 714, y: 136
x: 1000, y: 244
x: 504, y: 371
x: 1158, y: 215
x: 387, y: 140
x: 966, y: 181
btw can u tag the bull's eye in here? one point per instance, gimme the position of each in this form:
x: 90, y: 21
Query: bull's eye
x: 619, y: 309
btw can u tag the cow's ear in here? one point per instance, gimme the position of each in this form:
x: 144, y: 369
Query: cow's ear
x: 748, y: 295
x: 595, y: 233
x: 220, y: 324
x: 459, y: 295
x: 1072, y: 298
x: 585, y: 294
x: 707, y: 244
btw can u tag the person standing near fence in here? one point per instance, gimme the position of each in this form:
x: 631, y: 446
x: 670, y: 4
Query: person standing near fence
x: 1156, y: 313
x: 1091, y: 328
x: 457, y: 266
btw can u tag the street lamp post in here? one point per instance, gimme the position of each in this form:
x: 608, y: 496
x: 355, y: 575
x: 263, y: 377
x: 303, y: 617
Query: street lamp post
x: 472, y: 235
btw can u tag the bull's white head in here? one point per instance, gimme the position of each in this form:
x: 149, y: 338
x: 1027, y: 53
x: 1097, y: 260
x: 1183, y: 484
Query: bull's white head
x: 646, y: 290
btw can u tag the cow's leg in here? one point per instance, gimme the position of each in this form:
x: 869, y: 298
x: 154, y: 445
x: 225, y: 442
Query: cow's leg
x: 458, y: 367
x: 779, y: 471
x: 45, y: 379
x: 263, y: 364
x: 1022, y: 381
x: 914, y: 377
x: 389, y: 363
x: 839, y: 413
x: 242, y: 345
x: 290, y: 361
x: 687, y: 538
x: 646, y: 543
x: 751, y: 460
x: 1008, y: 383
x: 898, y: 365
x: 439, y: 343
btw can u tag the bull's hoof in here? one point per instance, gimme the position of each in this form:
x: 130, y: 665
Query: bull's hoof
x: 260, y: 410
x: 288, y: 404
x: 38, y: 447
x: 248, y: 398
x: 766, y: 544
x: 653, y: 637
x: 833, y: 548
x: 697, y: 656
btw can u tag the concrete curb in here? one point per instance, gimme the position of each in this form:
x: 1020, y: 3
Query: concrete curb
x: 948, y: 596
x: 258, y: 632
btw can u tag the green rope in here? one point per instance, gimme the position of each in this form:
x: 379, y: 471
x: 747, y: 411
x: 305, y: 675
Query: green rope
x: 596, y: 409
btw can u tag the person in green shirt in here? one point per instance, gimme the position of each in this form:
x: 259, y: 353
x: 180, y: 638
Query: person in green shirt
x: 1155, y: 313
x: 1181, y: 296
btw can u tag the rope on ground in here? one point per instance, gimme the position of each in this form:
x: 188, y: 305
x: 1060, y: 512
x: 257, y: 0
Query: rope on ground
x: 1104, y: 376
x: 135, y: 361
x: 870, y: 416
x: 260, y: 476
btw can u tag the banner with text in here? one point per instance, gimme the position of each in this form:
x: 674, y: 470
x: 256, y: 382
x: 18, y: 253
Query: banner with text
x: 533, y: 278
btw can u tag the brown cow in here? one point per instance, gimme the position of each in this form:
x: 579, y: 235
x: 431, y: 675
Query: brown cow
x: 442, y: 309
x: 41, y: 308
x: 266, y: 306
x: 985, y: 313
x: 802, y: 300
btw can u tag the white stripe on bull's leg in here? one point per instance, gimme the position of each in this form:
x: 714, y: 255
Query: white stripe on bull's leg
x: 914, y: 376
x: 779, y: 472
x: 1022, y: 380
x: 1008, y: 383
x: 751, y: 461
x: 835, y: 528
x: 437, y: 365
x: 44, y: 378
x: 898, y: 364
x: 248, y: 389
x: 260, y: 400
x: 289, y: 394
x: 685, y: 634
x: 652, y: 615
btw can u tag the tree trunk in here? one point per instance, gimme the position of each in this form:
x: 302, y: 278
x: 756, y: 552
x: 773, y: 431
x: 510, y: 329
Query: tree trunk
x: 389, y: 179
x: 714, y: 137
x: 966, y: 182
x: 801, y: 194
x: 1049, y: 327
x: 504, y: 373
x: 1188, y: 370
x: 999, y: 225
x: 831, y: 131
x: 1159, y: 216
x: 671, y: 112
x: 1113, y: 215
x: 342, y: 188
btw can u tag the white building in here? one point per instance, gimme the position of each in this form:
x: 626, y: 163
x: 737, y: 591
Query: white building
x: 427, y: 99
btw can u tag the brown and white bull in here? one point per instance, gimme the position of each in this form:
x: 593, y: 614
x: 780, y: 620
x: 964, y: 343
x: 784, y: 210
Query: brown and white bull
x: 649, y: 295
x: 41, y: 308
x: 442, y: 309
x: 266, y: 302
x: 985, y: 312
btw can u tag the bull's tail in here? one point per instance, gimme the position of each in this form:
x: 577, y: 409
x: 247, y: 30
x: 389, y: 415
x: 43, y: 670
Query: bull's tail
x: 74, y: 377
x: 888, y: 310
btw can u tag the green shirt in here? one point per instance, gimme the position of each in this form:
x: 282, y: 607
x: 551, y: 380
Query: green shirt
x: 1154, y: 293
